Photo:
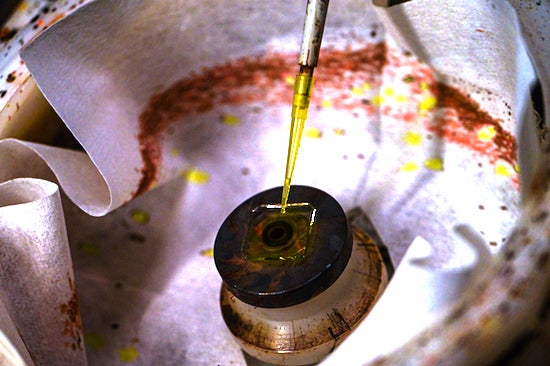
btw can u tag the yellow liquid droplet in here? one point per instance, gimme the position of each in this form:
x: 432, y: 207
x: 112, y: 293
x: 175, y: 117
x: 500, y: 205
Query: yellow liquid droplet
x: 128, y: 354
x: 486, y: 133
x: 314, y: 133
x: 427, y: 103
x: 401, y: 98
x: 357, y: 91
x: 409, y: 166
x: 230, y: 120
x: 300, y: 106
x: 196, y: 176
x: 140, y: 217
x: 434, y: 164
x: 389, y: 92
x: 209, y: 253
x: 377, y: 100
x: 503, y: 169
x: 412, y: 138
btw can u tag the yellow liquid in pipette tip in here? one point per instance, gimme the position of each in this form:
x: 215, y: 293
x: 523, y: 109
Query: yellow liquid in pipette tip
x: 300, y: 106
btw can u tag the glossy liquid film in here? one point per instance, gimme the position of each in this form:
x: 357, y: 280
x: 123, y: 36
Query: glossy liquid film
x: 303, y: 87
x: 275, y: 236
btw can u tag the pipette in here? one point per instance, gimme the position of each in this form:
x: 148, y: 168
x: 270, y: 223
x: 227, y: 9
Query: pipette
x: 316, y: 13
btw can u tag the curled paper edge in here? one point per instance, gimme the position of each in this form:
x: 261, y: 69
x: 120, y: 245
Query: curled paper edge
x: 74, y: 171
x: 414, y: 299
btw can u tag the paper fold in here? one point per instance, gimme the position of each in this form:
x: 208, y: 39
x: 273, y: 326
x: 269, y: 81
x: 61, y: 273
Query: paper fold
x: 413, y: 301
x: 72, y: 169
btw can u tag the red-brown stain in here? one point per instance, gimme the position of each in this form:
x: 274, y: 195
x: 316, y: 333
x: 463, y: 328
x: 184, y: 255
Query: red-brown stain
x: 469, y: 119
x: 11, y: 77
x: 264, y: 79
x: 55, y: 19
x: 457, y: 118
x: 7, y: 34
x: 72, y: 326
x: 248, y: 80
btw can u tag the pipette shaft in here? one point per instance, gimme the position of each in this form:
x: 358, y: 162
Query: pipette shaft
x: 314, y: 25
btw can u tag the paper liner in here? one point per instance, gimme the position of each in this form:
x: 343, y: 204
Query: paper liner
x: 147, y: 285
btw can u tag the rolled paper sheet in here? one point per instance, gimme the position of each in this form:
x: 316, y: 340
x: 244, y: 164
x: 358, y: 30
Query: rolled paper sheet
x: 36, y: 277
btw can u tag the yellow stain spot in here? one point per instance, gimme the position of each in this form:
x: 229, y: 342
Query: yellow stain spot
x: 486, y: 133
x: 490, y: 324
x: 503, y: 169
x: 208, y: 252
x: 314, y: 133
x: 401, y: 98
x: 326, y: 103
x: 517, y: 169
x: 389, y: 92
x: 139, y: 216
x: 377, y: 100
x: 427, y: 103
x: 174, y: 151
x: 409, y: 166
x: 94, y: 340
x: 434, y: 164
x: 339, y: 131
x: 196, y: 176
x: 357, y: 91
x: 424, y: 85
x: 128, y: 354
x: 289, y: 80
x: 412, y: 138
x: 22, y: 6
x: 367, y: 86
x: 88, y: 248
x: 230, y: 120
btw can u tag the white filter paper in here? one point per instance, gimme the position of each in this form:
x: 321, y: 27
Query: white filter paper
x: 182, y: 110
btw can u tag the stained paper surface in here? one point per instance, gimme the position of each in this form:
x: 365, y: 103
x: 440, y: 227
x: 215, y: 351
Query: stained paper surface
x: 183, y: 112
x: 38, y: 286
